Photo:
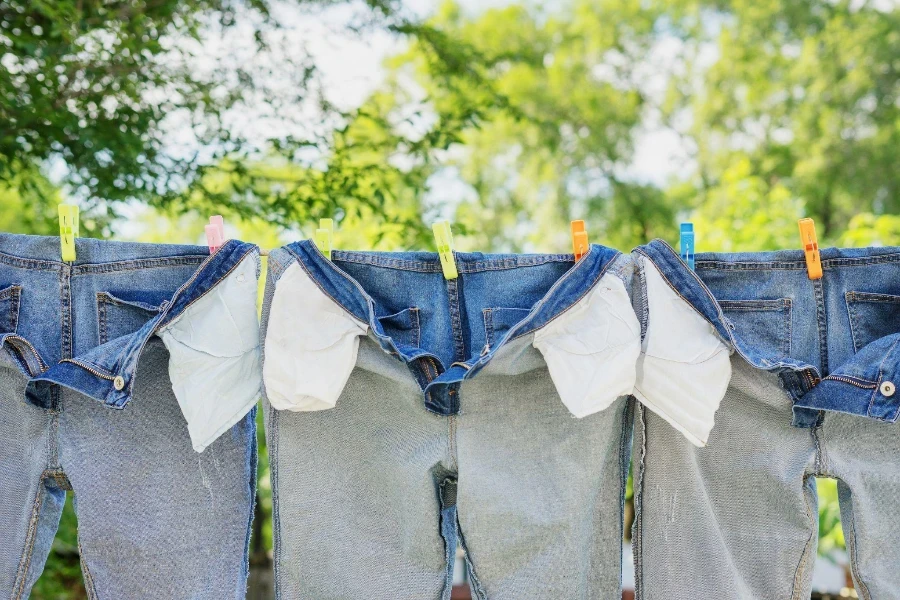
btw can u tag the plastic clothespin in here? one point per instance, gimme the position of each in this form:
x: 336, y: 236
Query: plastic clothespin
x: 810, y: 248
x: 686, y: 244
x: 579, y: 239
x: 68, y: 231
x: 215, y: 233
x: 444, y: 239
x: 324, y: 237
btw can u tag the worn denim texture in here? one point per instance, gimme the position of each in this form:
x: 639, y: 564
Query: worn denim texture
x: 811, y: 395
x: 156, y: 519
x: 449, y: 431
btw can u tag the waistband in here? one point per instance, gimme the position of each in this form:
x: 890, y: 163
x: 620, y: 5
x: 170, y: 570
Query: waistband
x: 43, y: 253
x: 440, y: 382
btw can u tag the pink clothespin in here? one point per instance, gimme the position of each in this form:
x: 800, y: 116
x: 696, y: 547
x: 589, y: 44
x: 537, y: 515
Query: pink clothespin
x: 215, y: 233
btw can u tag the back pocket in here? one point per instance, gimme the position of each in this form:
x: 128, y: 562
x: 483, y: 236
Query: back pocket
x: 762, y: 326
x: 872, y: 316
x: 497, y: 321
x: 117, y: 317
x: 9, y: 308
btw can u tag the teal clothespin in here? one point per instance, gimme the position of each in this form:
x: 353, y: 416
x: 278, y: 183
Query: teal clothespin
x: 324, y: 237
x: 444, y: 239
x: 68, y: 230
x: 686, y: 244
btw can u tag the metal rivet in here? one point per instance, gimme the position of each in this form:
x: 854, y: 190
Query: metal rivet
x: 119, y: 382
x: 887, y: 388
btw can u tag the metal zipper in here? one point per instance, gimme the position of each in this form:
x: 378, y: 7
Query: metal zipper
x: 851, y: 382
x: 34, y: 351
x: 88, y: 368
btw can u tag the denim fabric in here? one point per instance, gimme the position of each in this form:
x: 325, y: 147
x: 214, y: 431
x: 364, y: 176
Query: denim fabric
x: 450, y: 430
x: 156, y: 519
x: 806, y: 398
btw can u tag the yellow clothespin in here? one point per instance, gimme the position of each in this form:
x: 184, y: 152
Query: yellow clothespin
x: 324, y: 237
x: 68, y: 231
x: 579, y: 239
x: 810, y: 248
x: 444, y: 239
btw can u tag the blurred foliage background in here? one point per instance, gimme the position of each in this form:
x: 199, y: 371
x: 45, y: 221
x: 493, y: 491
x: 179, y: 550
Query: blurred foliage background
x: 509, y: 119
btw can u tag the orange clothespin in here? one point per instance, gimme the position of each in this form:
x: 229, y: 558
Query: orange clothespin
x: 215, y: 233
x: 810, y: 248
x: 579, y: 239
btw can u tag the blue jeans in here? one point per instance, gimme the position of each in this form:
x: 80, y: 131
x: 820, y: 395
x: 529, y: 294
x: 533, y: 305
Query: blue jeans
x: 808, y: 392
x: 155, y: 518
x: 409, y: 415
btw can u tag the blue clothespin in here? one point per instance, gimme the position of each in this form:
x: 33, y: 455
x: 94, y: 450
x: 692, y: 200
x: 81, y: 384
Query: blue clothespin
x: 686, y: 244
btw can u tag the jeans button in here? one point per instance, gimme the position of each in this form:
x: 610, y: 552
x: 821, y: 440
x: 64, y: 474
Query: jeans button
x: 119, y: 382
x: 887, y: 389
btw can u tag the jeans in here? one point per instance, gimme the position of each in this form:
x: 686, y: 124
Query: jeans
x: 409, y: 415
x: 156, y: 519
x: 809, y: 392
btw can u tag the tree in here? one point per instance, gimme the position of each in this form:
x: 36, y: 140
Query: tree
x: 806, y: 93
x: 124, y: 99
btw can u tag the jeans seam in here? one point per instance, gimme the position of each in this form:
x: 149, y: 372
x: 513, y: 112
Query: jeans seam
x: 624, y: 445
x: 28, y: 550
x: 803, y: 564
x: 638, y: 486
x: 854, y: 565
x: 89, y: 586
x: 273, y: 475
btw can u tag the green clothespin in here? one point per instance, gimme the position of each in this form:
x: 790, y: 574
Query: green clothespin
x: 68, y: 230
x: 324, y: 237
x: 444, y: 239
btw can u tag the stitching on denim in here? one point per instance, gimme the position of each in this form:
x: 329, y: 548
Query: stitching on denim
x: 773, y: 305
x: 637, y: 550
x: 30, y: 538
x: 852, y: 317
x: 455, y: 310
x: 624, y: 446
x: 803, y: 564
x: 32, y: 264
x: 138, y: 264
x: 476, y: 585
x: 855, y: 296
x: 14, y: 294
x: 790, y: 265
x: 642, y: 297
x: 463, y: 266
x: 821, y: 323
x: 89, y: 585
x: 272, y: 440
x: 487, y: 315
x: 418, y: 326
x: 852, y: 548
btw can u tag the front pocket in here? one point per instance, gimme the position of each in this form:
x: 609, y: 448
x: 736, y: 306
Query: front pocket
x: 872, y: 316
x: 403, y: 327
x: 9, y: 308
x: 117, y: 317
x: 763, y: 326
x: 499, y: 320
